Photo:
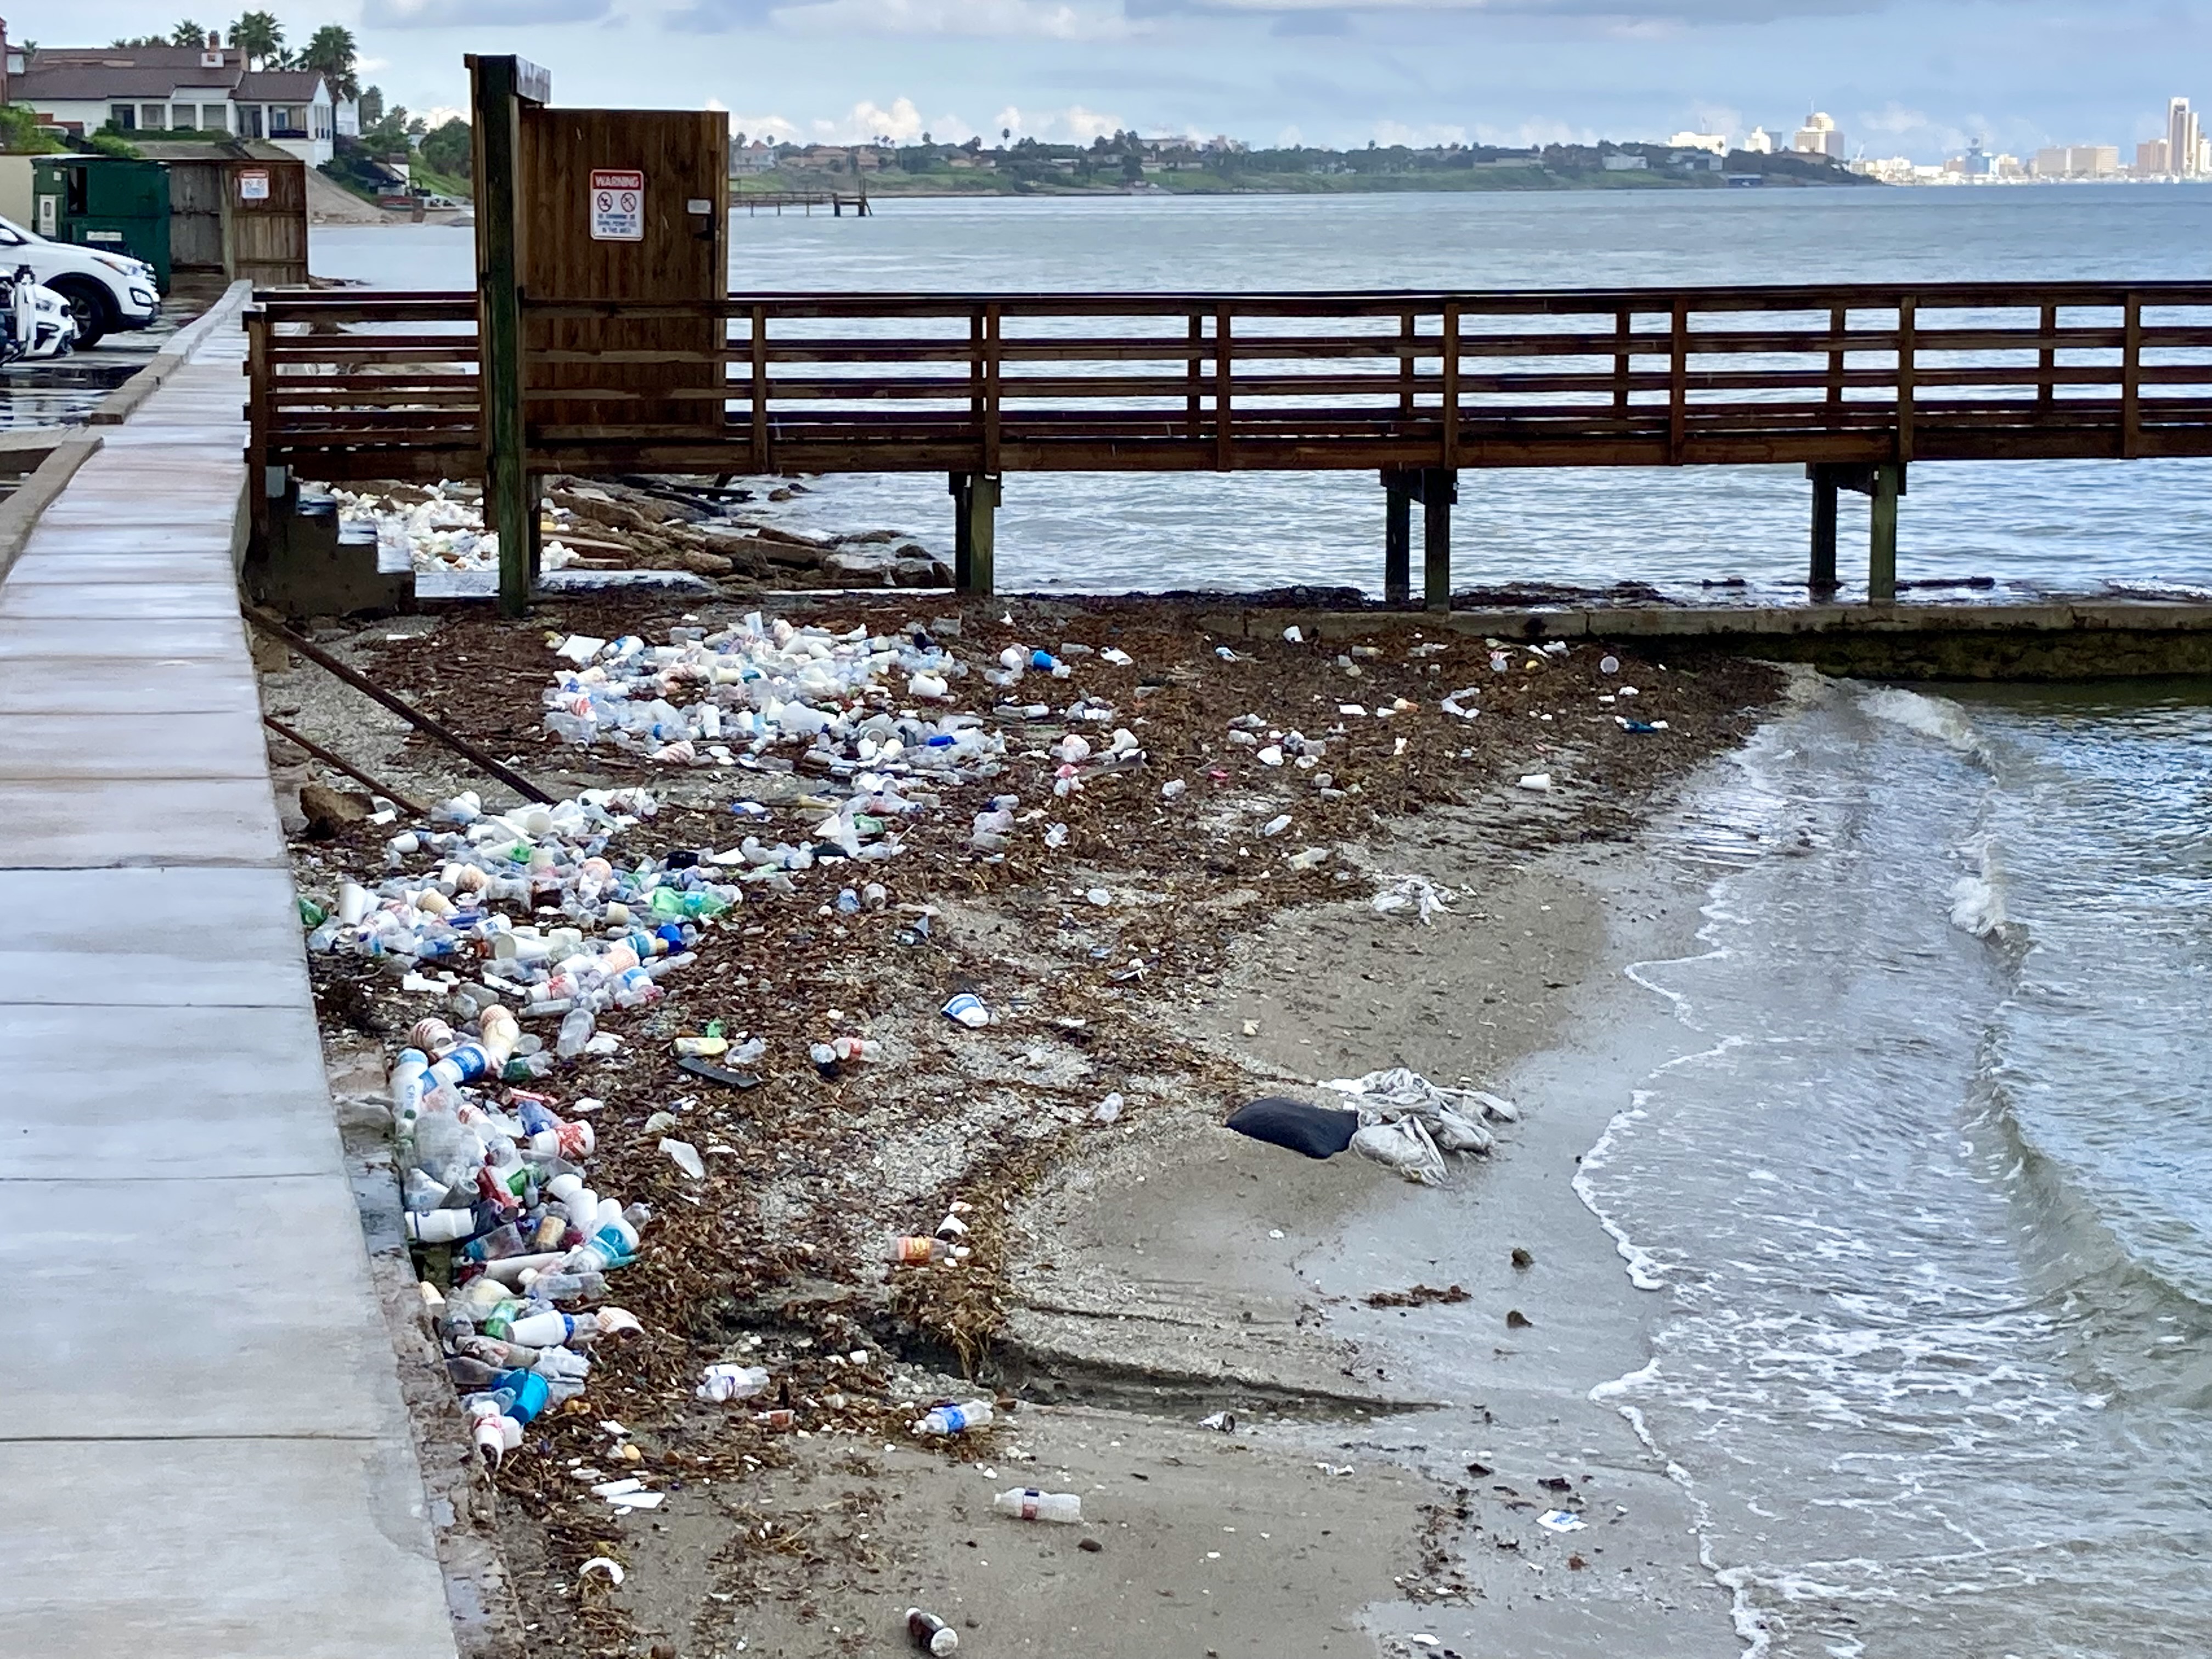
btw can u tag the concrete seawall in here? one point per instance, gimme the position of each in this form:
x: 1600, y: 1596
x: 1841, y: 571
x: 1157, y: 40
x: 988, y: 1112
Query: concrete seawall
x: 2054, y: 639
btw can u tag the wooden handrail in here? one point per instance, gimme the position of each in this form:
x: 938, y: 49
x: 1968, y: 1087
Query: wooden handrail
x: 343, y: 384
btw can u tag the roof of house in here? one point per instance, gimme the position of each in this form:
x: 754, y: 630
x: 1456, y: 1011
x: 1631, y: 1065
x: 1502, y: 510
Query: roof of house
x: 279, y: 86
x: 186, y: 58
x: 77, y: 83
x: 77, y: 74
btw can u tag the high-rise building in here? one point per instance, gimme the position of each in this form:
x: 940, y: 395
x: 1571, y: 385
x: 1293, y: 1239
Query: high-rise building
x: 2153, y: 159
x: 2184, y: 140
x: 1819, y: 137
x: 2077, y: 161
x: 1761, y: 142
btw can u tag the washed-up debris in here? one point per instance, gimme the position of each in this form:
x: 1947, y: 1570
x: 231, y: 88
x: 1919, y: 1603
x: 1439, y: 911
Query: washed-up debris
x: 1424, y: 898
x: 1561, y: 1520
x: 1421, y: 1296
x: 930, y: 1633
x: 1027, y: 1504
x: 1403, y: 1147
x: 1317, y: 1131
x: 781, y: 1244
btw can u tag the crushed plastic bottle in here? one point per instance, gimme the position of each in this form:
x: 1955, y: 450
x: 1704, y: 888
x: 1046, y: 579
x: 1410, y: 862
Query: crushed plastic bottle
x: 943, y: 1421
x: 723, y: 1383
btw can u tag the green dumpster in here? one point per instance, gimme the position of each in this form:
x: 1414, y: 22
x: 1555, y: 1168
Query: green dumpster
x: 113, y: 203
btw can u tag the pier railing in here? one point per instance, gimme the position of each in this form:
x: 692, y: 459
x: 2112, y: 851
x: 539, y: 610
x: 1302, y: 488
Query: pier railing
x: 1854, y: 379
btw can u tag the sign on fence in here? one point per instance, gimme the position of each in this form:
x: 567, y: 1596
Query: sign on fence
x: 618, y: 205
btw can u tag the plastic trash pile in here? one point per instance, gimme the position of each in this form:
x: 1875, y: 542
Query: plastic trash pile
x: 501, y: 1182
x: 446, y: 532
x: 497, y: 1175
x: 708, y: 698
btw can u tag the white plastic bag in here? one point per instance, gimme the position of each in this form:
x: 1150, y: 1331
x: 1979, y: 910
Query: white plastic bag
x: 1404, y: 1147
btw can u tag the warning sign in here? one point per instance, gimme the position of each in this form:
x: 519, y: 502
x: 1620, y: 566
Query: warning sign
x: 618, y: 205
x: 253, y: 184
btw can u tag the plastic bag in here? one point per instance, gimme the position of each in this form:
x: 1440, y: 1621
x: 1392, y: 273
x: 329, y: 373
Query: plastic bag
x: 1404, y: 1147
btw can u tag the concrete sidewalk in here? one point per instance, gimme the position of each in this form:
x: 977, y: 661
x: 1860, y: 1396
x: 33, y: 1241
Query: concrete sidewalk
x: 201, y: 1432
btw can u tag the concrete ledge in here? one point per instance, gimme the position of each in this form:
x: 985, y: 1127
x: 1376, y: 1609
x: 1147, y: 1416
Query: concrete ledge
x: 117, y: 406
x: 2058, y: 639
x: 18, y: 513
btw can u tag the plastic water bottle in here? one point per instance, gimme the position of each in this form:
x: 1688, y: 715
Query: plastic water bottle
x: 930, y: 1633
x: 727, y: 1383
x: 942, y: 1420
x: 917, y: 1252
x: 576, y: 1028
x: 1027, y: 1504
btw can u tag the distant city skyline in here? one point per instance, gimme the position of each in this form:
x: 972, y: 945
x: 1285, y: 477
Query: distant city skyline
x: 1919, y: 80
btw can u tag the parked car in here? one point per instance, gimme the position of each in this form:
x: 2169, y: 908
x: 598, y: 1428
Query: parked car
x: 108, y: 293
x: 35, y: 322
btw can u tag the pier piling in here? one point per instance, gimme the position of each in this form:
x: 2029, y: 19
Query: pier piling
x: 974, y: 531
x: 1397, y: 536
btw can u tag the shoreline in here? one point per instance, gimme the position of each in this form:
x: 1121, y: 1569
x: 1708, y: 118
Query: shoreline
x: 758, y: 1265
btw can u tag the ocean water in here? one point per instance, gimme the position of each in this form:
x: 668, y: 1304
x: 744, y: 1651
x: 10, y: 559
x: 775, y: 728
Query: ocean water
x: 1926, y: 1182
x: 1923, y: 1191
x: 2078, y: 526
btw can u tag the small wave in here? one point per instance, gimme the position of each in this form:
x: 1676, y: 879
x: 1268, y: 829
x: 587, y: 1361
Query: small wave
x: 1931, y: 717
x: 1643, y: 1266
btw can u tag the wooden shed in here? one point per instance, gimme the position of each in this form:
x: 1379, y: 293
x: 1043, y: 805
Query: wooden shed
x: 236, y: 209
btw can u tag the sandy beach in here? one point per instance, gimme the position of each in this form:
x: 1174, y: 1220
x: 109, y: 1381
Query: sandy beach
x: 1386, y: 1465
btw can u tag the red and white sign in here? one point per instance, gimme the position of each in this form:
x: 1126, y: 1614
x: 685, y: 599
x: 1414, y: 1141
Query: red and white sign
x: 253, y: 184
x: 618, y: 205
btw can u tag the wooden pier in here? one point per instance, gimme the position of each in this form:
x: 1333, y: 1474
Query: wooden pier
x: 1426, y: 390
x: 755, y: 202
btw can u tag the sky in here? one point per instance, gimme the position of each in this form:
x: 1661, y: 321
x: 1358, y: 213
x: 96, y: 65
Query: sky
x: 1901, y: 77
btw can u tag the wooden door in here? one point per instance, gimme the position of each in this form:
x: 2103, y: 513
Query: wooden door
x: 624, y: 206
x: 268, y: 203
x: 196, y: 216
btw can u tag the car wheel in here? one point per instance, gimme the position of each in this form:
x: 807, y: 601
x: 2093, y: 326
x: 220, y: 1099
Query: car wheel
x: 92, y: 308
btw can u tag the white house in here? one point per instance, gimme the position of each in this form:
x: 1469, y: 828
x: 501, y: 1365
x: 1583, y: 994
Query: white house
x: 149, y: 89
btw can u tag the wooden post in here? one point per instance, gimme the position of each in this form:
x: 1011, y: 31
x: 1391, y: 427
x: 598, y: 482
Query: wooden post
x: 991, y: 397
x: 1678, y: 383
x: 259, y: 403
x: 1223, y: 367
x: 2046, y: 377
x: 1839, y: 324
x: 2131, y: 380
x: 1397, y: 536
x: 1451, y: 385
x: 1881, y: 538
x: 759, y: 344
x: 1439, y: 489
x: 1908, y: 362
x: 1821, y: 577
x: 498, y: 87
x: 1194, y: 376
x: 1624, y: 324
x: 974, y: 531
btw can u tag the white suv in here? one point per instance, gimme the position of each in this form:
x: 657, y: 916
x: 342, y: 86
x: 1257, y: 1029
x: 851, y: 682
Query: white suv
x: 109, y: 292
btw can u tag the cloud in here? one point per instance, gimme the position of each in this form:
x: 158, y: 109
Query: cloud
x: 1290, y: 25
x: 457, y: 14
x: 770, y: 129
x: 992, y: 20
x: 1074, y: 125
x: 903, y: 123
x: 1388, y: 133
x: 1633, y: 14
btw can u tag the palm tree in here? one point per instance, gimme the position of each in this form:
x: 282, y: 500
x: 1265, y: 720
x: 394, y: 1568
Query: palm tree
x: 188, y: 33
x: 259, y: 35
x: 332, y: 51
